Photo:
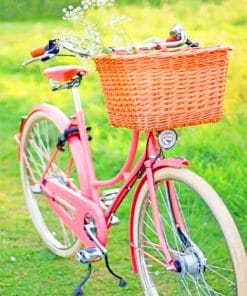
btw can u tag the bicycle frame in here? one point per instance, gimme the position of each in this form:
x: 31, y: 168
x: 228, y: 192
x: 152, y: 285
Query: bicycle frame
x: 86, y: 202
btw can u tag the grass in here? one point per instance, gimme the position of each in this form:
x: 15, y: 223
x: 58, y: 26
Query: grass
x: 218, y: 152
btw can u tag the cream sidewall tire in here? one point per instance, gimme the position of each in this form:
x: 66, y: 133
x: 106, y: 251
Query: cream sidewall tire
x: 31, y: 203
x: 218, y: 209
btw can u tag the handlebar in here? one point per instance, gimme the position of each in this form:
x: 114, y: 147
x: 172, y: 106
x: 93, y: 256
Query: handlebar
x: 177, y: 38
x: 52, y: 49
x: 39, y: 51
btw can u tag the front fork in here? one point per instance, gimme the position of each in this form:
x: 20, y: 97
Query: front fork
x: 170, y: 265
x: 155, y: 213
x: 150, y: 168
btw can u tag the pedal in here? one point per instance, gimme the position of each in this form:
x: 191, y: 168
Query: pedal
x: 106, y: 201
x: 108, y: 196
x: 36, y: 188
x: 89, y: 255
x: 114, y: 220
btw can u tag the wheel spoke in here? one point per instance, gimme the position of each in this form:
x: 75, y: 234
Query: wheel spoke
x: 169, y: 223
x: 218, y: 267
x: 220, y: 275
x: 38, y: 166
x: 39, y: 142
x: 67, y: 241
x: 153, y: 246
x: 194, y: 276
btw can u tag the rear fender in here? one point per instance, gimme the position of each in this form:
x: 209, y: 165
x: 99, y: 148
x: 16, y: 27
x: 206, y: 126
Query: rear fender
x: 176, y: 162
x: 74, y: 143
x: 82, y: 205
x: 52, y: 110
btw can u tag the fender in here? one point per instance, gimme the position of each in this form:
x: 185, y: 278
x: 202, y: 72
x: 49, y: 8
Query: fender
x: 175, y: 162
x: 74, y: 142
x: 83, y: 203
x: 62, y: 119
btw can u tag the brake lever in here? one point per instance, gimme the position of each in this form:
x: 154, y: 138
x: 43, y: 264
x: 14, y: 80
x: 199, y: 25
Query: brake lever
x: 68, y: 46
x: 30, y: 61
x: 42, y: 58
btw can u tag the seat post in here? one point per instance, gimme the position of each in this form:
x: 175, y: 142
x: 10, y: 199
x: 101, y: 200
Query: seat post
x: 76, y: 98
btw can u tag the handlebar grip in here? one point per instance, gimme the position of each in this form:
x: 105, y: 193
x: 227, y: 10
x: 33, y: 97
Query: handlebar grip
x: 171, y: 39
x: 37, y: 52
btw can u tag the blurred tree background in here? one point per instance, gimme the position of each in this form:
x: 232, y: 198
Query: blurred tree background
x: 13, y: 10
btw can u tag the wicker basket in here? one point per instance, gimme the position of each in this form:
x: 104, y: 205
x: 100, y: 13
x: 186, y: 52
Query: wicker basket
x: 157, y: 90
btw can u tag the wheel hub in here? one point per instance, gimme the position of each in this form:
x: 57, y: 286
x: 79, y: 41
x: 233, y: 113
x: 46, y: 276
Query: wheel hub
x: 191, y: 261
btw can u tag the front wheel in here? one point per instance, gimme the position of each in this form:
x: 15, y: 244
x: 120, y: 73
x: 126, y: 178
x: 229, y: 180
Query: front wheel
x: 215, y: 261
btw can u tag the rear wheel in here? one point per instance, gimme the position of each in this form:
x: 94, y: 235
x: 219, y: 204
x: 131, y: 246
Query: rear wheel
x: 39, y: 139
x: 215, y: 261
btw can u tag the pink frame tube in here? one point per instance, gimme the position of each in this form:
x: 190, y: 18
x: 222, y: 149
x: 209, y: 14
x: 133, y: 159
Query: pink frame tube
x: 124, y: 172
x: 130, y: 178
x: 155, y: 210
x: 88, y: 171
x: 126, y: 187
x: 176, y: 162
x: 175, y: 208
x: 90, y: 185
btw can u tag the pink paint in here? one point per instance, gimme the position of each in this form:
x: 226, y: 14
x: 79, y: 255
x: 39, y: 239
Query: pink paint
x: 86, y: 201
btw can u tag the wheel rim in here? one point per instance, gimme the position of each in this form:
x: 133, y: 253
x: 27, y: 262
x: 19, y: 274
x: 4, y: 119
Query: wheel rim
x: 39, y: 143
x: 217, y: 279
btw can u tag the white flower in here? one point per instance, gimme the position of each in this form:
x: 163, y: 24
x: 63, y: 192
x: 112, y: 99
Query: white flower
x: 93, y: 28
x: 86, y: 3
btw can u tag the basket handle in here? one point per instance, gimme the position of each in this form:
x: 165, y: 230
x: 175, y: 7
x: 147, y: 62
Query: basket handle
x: 177, y: 38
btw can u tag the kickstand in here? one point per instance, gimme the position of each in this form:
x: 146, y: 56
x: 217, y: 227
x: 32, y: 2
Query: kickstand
x: 78, y: 291
x: 122, y: 282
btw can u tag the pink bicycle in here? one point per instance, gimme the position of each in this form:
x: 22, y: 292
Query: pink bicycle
x: 183, y: 241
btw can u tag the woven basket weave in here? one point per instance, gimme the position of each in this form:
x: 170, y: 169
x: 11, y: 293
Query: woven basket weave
x: 157, y: 90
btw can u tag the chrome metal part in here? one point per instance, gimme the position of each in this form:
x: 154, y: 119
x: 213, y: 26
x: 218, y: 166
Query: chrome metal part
x: 109, y: 195
x: 107, y: 199
x: 35, y: 188
x: 191, y: 261
x: 114, y: 220
x: 91, y: 230
x: 76, y: 98
x: 167, y: 139
x: 89, y: 255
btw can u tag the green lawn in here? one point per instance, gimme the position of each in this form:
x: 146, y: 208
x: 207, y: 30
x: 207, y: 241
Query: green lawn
x: 218, y: 152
